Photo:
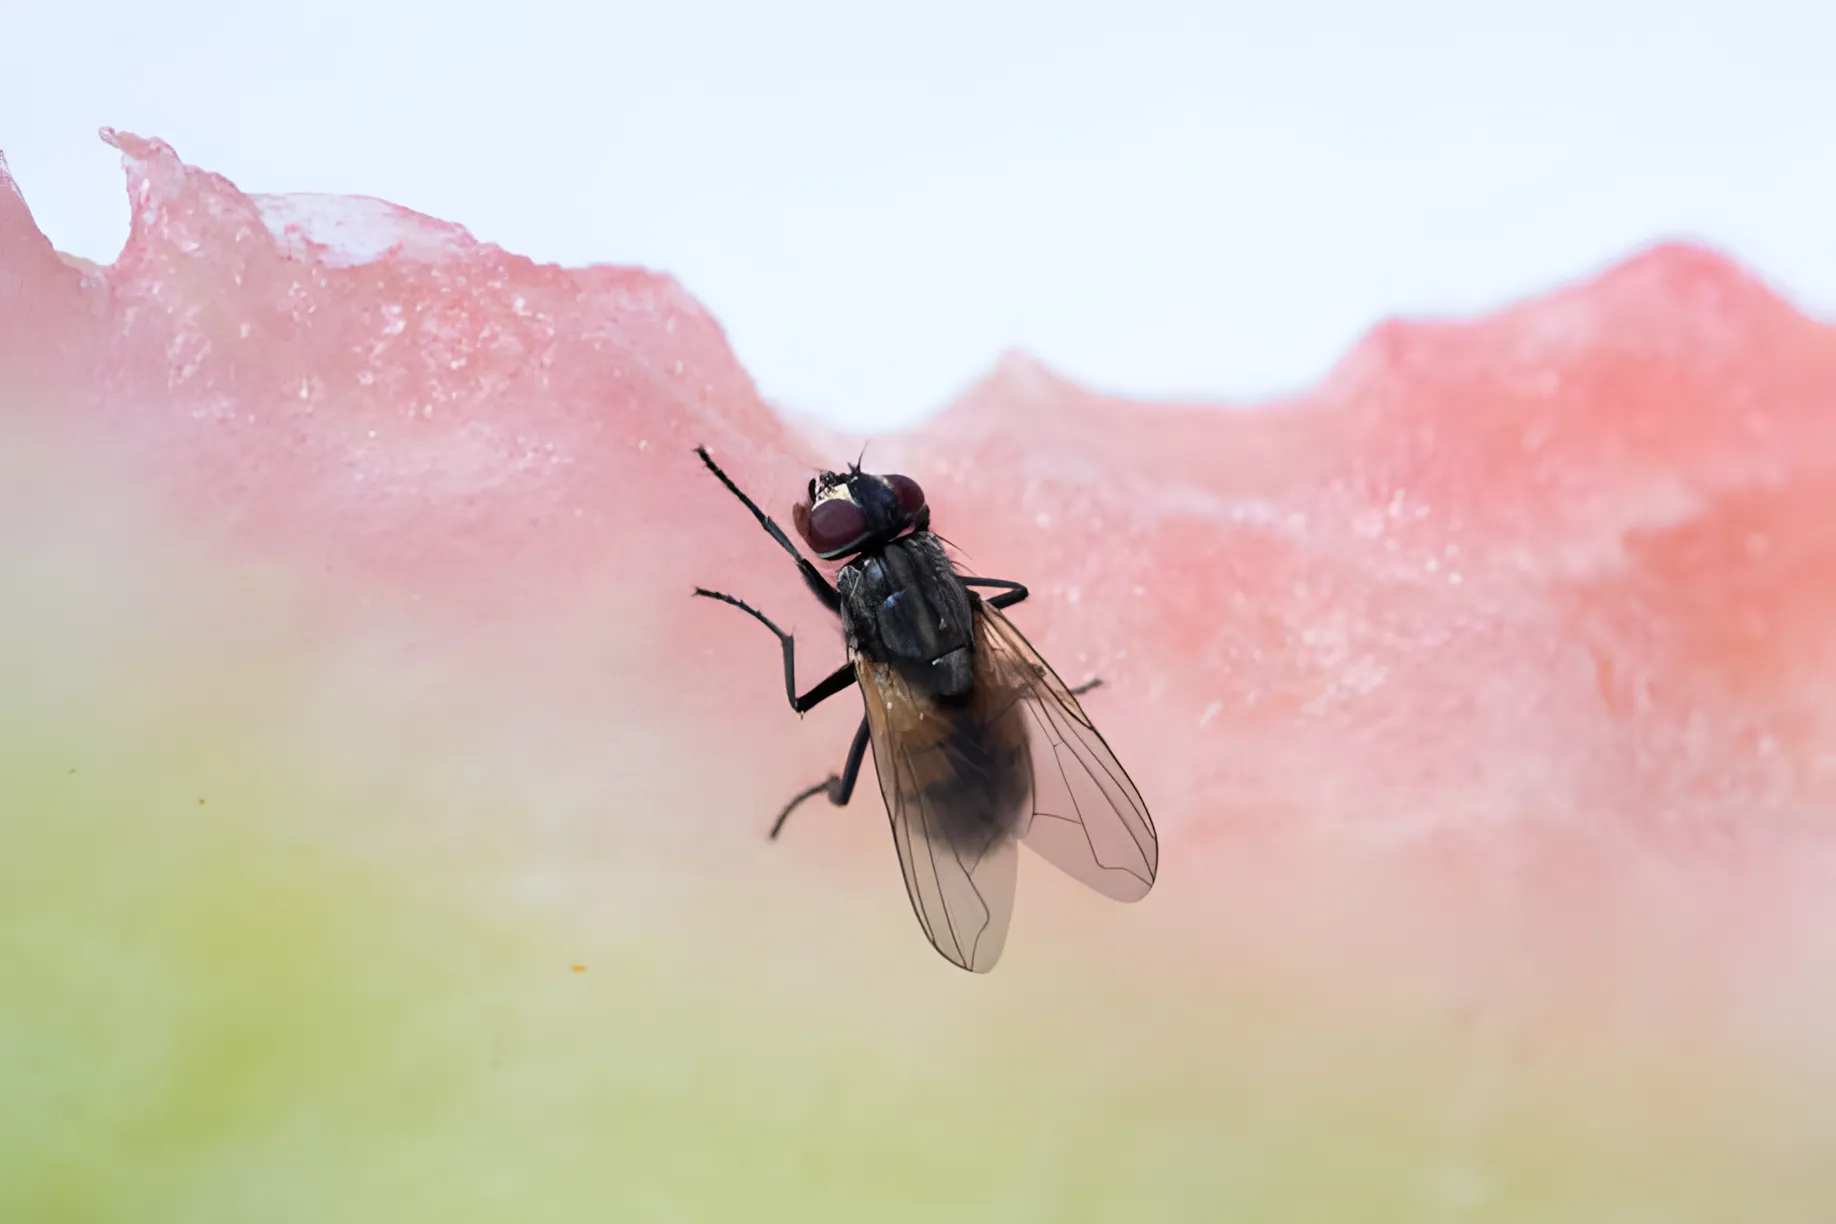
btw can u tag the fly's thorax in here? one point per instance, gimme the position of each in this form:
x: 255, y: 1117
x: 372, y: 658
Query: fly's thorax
x: 847, y: 585
x: 905, y: 606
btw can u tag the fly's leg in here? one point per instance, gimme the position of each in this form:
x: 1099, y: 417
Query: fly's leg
x: 819, y: 586
x: 839, y: 787
x: 1011, y: 594
x: 840, y: 679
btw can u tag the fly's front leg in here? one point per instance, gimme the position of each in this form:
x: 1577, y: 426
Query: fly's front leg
x: 839, y: 787
x: 841, y: 678
x: 819, y: 586
x: 1011, y: 594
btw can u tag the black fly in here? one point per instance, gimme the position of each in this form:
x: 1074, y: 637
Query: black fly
x: 977, y: 742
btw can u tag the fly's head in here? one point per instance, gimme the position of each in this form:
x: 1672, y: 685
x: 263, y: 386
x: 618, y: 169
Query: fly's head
x: 850, y: 512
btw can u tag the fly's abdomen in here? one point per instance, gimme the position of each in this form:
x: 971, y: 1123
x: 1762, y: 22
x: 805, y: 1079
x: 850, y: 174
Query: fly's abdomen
x: 975, y: 774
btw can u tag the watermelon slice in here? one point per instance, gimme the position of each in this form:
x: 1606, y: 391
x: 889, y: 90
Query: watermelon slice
x: 383, y: 828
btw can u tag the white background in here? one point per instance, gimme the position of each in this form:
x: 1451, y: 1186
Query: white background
x: 878, y: 199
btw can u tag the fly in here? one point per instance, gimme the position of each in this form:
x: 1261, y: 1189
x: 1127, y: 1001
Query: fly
x: 978, y: 745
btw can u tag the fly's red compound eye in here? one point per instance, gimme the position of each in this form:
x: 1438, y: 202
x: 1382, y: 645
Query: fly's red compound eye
x: 910, y: 495
x: 831, y: 525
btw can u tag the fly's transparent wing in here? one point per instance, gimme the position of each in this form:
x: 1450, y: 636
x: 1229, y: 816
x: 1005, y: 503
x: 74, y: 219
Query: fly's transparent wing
x: 1086, y: 816
x: 955, y: 784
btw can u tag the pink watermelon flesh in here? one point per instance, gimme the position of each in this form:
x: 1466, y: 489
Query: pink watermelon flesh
x: 1492, y: 677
